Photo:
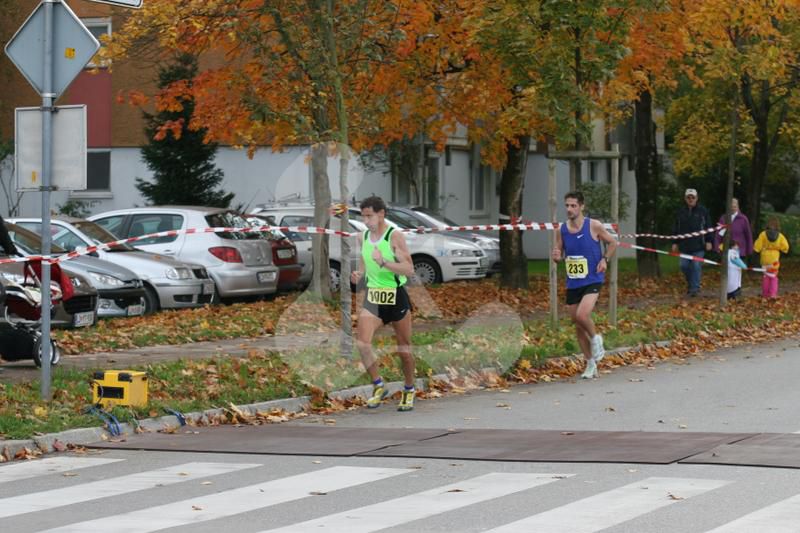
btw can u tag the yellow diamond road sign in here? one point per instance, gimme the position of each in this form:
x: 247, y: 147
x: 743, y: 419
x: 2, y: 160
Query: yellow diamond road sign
x: 73, y: 47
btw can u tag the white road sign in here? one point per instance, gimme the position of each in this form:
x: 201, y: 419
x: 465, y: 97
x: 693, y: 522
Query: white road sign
x: 69, y: 148
x: 124, y: 3
x: 73, y: 47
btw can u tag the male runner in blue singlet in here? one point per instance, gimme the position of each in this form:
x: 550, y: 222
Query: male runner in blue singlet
x: 387, y: 264
x: 578, y: 243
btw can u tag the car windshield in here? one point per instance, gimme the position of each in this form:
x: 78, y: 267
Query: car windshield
x: 291, y: 235
x: 257, y: 222
x: 391, y: 218
x: 232, y: 219
x: 408, y: 220
x: 30, y: 242
x: 440, y: 219
x: 100, y: 235
x: 301, y: 220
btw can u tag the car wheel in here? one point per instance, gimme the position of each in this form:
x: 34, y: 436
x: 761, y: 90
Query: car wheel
x: 336, y: 275
x: 427, y: 271
x: 55, y: 352
x: 151, y: 302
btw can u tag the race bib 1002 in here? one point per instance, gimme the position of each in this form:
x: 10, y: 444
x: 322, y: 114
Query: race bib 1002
x: 577, y: 267
x: 384, y: 296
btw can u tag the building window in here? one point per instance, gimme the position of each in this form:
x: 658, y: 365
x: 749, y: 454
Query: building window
x: 432, y: 176
x: 98, y: 170
x: 593, y: 171
x: 97, y: 27
x: 477, y: 190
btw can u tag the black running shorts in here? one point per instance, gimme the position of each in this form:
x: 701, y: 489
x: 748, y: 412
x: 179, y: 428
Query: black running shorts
x: 574, y: 296
x: 390, y: 313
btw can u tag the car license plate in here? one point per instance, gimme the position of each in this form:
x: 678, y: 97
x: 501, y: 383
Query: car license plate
x: 80, y: 320
x: 135, y: 310
x: 266, y: 277
x: 208, y: 287
x: 285, y: 253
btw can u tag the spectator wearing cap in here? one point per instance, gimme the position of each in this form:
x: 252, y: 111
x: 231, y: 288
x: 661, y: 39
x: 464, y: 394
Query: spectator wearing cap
x: 740, y: 230
x: 691, y: 218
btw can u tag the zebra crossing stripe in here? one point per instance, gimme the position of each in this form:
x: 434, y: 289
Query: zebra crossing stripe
x: 52, y: 465
x: 781, y: 517
x: 422, y: 505
x: 232, y: 502
x: 50, y: 499
x: 612, y: 507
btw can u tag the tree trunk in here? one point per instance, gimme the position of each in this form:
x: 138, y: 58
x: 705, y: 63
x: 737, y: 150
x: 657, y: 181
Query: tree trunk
x: 515, y: 265
x: 345, y: 298
x: 345, y: 295
x: 758, y: 173
x: 756, y: 98
x: 723, y: 288
x: 647, y: 183
x: 321, y: 280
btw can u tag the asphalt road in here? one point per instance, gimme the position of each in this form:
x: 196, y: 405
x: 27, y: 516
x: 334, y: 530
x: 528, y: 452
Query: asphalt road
x: 745, y: 389
x: 748, y: 389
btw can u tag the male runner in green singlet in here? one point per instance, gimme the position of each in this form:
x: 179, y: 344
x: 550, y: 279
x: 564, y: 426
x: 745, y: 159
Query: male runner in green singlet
x: 387, y: 263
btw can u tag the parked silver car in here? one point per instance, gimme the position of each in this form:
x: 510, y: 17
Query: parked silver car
x: 168, y: 283
x: 437, y: 257
x: 422, y: 216
x: 239, y: 263
x: 120, y: 292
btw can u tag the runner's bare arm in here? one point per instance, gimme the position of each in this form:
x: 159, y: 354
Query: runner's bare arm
x: 402, y: 264
x: 606, y: 237
x: 556, y: 253
x: 356, y: 275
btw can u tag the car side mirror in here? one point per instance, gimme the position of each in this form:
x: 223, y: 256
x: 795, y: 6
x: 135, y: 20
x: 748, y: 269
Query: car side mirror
x: 93, y: 254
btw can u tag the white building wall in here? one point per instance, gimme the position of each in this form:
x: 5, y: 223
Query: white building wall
x: 454, y: 199
x: 273, y: 176
x: 268, y: 176
x: 535, y: 200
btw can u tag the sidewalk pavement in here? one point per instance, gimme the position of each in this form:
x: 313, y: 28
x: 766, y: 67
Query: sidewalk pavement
x: 17, y: 371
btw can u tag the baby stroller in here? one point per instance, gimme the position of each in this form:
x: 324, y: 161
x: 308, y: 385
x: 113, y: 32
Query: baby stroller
x: 20, y: 331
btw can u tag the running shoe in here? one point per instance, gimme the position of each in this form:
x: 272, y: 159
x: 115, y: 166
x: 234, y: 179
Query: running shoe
x: 598, y: 351
x: 406, y: 401
x: 591, y: 369
x: 379, y: 392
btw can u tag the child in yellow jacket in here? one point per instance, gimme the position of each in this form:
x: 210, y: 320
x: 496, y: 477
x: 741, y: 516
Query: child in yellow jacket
x: 770, y: 244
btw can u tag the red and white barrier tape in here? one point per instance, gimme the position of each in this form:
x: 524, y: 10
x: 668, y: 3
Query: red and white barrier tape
x: 674, y: 237
x: 678, y: 254
x: 296, y: 229
x: 530, y: 226
x: 171, y: 233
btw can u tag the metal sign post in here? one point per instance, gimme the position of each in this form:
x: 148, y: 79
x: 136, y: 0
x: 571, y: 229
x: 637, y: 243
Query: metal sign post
x: 47, y: 166
x: 50, y: 49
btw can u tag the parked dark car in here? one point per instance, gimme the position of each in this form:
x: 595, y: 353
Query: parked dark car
x: 284, y: 255
x: 120, y: 291
x: 78, y: 311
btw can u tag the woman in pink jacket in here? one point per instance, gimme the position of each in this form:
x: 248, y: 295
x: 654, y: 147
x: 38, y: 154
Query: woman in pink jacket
x: 740, y: 230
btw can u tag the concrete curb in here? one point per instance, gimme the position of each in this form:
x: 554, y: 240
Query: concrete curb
x: 81, y: 437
